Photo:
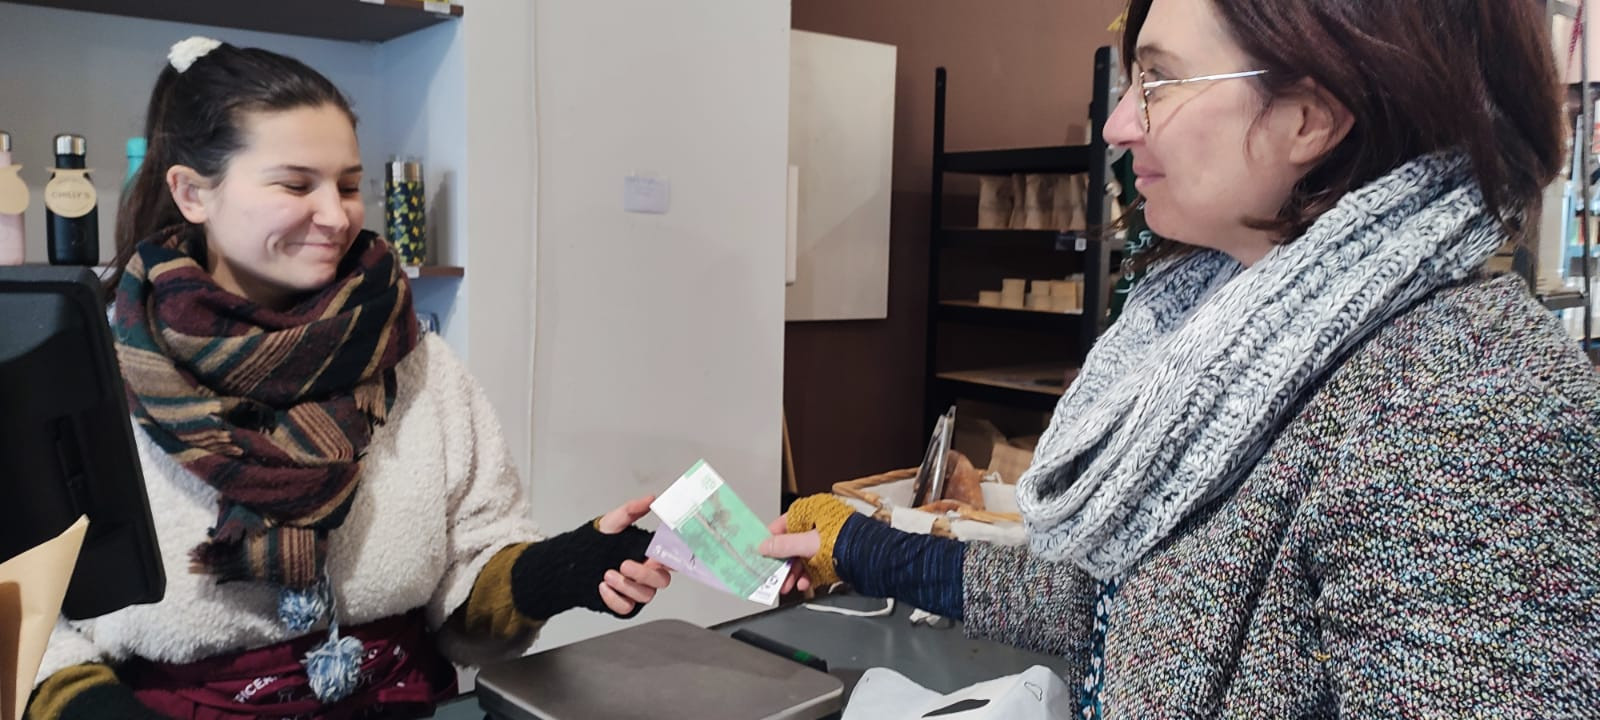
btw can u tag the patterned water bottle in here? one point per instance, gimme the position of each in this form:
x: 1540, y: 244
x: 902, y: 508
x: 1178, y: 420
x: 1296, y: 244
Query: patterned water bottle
x: 405, y: 210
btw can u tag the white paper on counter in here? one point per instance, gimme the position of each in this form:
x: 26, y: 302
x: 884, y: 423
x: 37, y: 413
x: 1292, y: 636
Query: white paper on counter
x: 32, y: 586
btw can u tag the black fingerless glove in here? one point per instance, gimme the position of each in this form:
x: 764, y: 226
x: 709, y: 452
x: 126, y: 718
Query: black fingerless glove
x: 565, y: 571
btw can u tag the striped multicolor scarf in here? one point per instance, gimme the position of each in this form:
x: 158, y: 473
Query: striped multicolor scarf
x: 273, y: 409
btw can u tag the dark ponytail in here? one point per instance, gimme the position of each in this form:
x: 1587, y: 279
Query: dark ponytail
x: 196, y: 118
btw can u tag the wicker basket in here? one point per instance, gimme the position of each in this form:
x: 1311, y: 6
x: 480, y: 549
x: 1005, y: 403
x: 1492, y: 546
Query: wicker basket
x: 862, y: 489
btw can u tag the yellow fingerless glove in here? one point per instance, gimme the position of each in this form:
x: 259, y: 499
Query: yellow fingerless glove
x: 825, y: 514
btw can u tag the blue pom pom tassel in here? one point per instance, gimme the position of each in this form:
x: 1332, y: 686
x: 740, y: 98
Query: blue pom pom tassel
x: 334, y: 667
x: 300, y: 610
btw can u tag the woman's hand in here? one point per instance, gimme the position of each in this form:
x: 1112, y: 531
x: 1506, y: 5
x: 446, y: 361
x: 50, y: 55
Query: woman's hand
x: 794, y: 547
x: 633, y: 583
x: 805, y: 537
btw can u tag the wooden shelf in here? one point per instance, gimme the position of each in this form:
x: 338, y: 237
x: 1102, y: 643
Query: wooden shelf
x: 1565, y: 300
x: 973, y: 304
x: 1035, y: 386
x: 971, y: 313
x: 1052, y: 240
x: 350, y: 20
x: 1060, y: 159
x: 1039, y: 240
x: 435, y: 271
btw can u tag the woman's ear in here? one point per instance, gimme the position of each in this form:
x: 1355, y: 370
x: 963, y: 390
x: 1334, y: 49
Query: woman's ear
x: 191, y: 192
x: 1324, y: 122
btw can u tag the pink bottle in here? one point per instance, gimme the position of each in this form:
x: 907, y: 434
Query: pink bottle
x: 13, y: 202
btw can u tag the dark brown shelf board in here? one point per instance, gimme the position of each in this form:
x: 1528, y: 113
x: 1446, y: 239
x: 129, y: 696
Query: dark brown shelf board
x: 973, y: 304
x: 1011, y: 240
x: 1038, y: 387
x: 1053, y: 240
x: 435, y: 271
x: 1562, y: 300
x: 1059, y: 159
x: 350, y: 20
x: 971, y: 313
x: 1042, y: 379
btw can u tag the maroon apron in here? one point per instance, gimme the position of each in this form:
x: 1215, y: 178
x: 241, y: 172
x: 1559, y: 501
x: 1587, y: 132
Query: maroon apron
x: 402, y: 675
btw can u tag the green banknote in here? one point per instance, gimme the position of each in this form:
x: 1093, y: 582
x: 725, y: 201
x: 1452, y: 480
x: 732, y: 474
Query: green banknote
x: 722, y: 532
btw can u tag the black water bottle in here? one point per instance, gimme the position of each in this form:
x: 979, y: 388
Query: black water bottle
x: 71, y: 218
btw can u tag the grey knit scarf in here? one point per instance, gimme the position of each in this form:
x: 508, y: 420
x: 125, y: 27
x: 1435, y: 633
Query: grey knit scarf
x: 1181, y: 397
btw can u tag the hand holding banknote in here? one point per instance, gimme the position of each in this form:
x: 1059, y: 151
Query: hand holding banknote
x: 633, y: 583
x: 794, y: 547
x: 709, y: 534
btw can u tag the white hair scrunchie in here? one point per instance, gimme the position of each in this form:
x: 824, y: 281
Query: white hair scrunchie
x: 185, y: 52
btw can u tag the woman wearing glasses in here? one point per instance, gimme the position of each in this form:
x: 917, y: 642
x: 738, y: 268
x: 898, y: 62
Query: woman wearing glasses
x: 1324, y: 464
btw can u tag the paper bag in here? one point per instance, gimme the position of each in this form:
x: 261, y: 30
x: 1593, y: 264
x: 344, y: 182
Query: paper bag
x: 995, y: 202
x: 1033, y: 694
x: 32, y: 586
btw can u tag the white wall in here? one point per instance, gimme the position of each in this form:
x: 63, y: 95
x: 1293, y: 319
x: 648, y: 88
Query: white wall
x: 660, y: 336
x: 498, y: 197
x: 841, y: 137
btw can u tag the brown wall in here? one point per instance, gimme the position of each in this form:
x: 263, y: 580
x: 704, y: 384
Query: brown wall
x: 1019, y: 75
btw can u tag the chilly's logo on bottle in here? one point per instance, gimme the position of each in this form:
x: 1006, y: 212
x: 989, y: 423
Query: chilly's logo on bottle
x: 70, y: 194
x: 13, y: 191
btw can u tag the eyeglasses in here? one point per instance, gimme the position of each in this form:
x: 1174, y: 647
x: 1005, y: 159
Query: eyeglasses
x: 1148, y: 86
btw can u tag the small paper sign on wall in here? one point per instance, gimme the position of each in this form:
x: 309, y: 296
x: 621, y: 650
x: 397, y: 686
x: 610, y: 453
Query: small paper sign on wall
x: 642, y: 194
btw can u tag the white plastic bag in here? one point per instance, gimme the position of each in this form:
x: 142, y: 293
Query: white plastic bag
x: 1034, y: 694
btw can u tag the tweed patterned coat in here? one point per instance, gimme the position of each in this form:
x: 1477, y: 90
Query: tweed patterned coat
x: 1421, y: 540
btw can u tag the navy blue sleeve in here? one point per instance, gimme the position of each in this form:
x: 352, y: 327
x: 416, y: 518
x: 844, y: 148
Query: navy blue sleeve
x: 924, y: 570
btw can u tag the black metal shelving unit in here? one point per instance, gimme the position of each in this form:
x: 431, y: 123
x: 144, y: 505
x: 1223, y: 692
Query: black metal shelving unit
x: 999, y: 384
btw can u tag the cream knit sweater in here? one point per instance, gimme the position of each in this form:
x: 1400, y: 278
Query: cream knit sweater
x: 439, y: 496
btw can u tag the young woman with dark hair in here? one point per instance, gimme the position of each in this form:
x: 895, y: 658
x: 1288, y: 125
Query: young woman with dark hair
x: 337, y: 511
x: 1323, y: 465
